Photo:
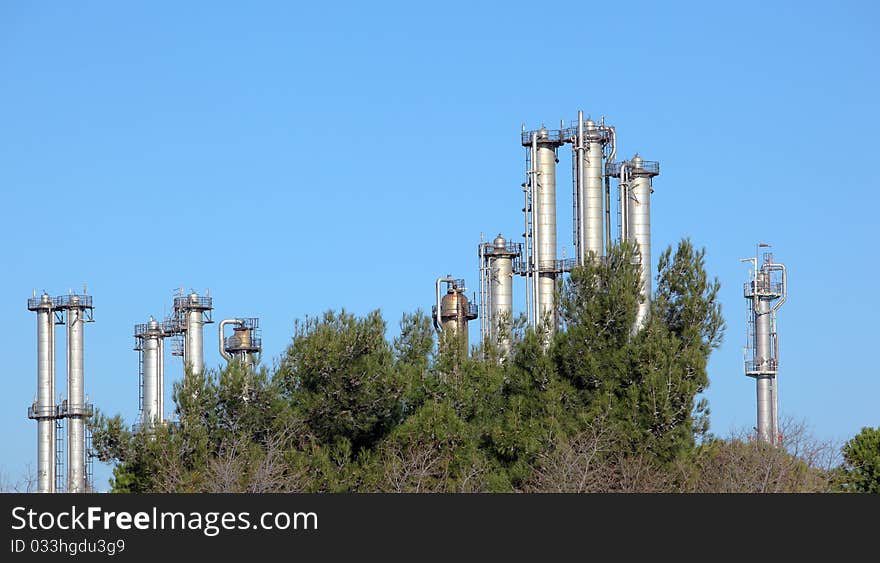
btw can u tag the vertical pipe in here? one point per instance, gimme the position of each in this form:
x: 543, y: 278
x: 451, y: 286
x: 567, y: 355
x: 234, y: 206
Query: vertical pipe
x: 161, y: 385
x: 45, y: 399
x: 623, y: 200
x: 526, y: 248
x: 53, y: 397
x: 222, y: 337
x: 75, y: 403
x: 611, y: 158
x: 485, y: 317
x: 536, y: 235
x: 581, y: 244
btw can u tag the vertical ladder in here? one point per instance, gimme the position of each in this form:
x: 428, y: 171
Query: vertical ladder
x: 59, y: 455
x: 141, y: 381
x: 89, y: 459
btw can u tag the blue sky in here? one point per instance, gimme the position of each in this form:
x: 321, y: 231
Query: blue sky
x: 298, y: 158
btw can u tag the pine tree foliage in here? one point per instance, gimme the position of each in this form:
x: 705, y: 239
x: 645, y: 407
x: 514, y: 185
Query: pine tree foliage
x: 598, y: 407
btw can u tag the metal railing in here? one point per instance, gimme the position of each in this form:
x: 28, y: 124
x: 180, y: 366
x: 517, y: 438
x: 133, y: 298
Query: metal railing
x: 86, y: 409
x: 186, y: 302
x: 770, y: 289
x: 38, y: 412
x: 647, y: 167
x: 73, y: 301
x: 173, y: 325
x: 232, y: 344
x: 35, y: 303
x: 552, y: 135
x: 759, y: 367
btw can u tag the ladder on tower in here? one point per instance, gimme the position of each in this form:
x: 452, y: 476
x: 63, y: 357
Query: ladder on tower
x: 89, y: 461
x: 140, y: 381
x: 59, y: 455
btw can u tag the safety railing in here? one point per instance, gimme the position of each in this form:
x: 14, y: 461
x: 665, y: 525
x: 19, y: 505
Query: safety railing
x: 47, y: 411
x: 188, y: 302
x: 767, y: 289
x: 73, y: 301
x: 761, y: 367
x: 544, y: 135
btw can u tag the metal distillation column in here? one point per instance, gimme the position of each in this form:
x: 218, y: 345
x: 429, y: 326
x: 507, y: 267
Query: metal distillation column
x: 151, y: 338
x: 545, y: 227
x: 244, y: 346
x: 766, y: 292
x: 500, y: 281
x: 592, y: 192
x: 76, y: 409
x: 44, y: 410
x: 192, y: 313
x: 638, y: 226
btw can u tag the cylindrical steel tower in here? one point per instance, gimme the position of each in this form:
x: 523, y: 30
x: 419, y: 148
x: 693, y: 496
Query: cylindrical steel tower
x: 453, y: 311
x: 192, y: 313
x: 592, y: 193
x: 78, y: 311
x: 244, y: 345
x: 149, y: 338
x: 639, y: 225
x: 44, y: 410
x: 766, y: 292
x: 545, y: 166
x: 501, y: 257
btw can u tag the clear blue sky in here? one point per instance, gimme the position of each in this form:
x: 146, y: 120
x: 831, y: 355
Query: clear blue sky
x: 294, y: 158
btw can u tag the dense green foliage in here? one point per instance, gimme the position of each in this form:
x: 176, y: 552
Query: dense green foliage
x: 862, y: 462
x: 599, y: 408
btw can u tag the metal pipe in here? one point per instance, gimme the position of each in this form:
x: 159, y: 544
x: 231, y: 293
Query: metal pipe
x: 161, y: 390
x: 580, y: 250
x: 536, y: 234
x: 226, y: 355
x: 438, y: 323
x: 784, y: 296
x: 52, y: 404
x: 624, y: 197
x: 611, y: 158
x: 75, y: 404
x: 526, y: 248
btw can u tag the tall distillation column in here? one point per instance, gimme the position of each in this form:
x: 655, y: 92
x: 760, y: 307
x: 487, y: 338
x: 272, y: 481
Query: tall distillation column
x: 78, y: 309
x: 765, y: 292
x: 44, y: 410
x: 591, y: 194
x: 453, y: 311
x: 636, y: 189
x: 191, y: 313
x: 542, y: 267
x: 245, y: 344
x: 496, y: 291
x: 150, y: 342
